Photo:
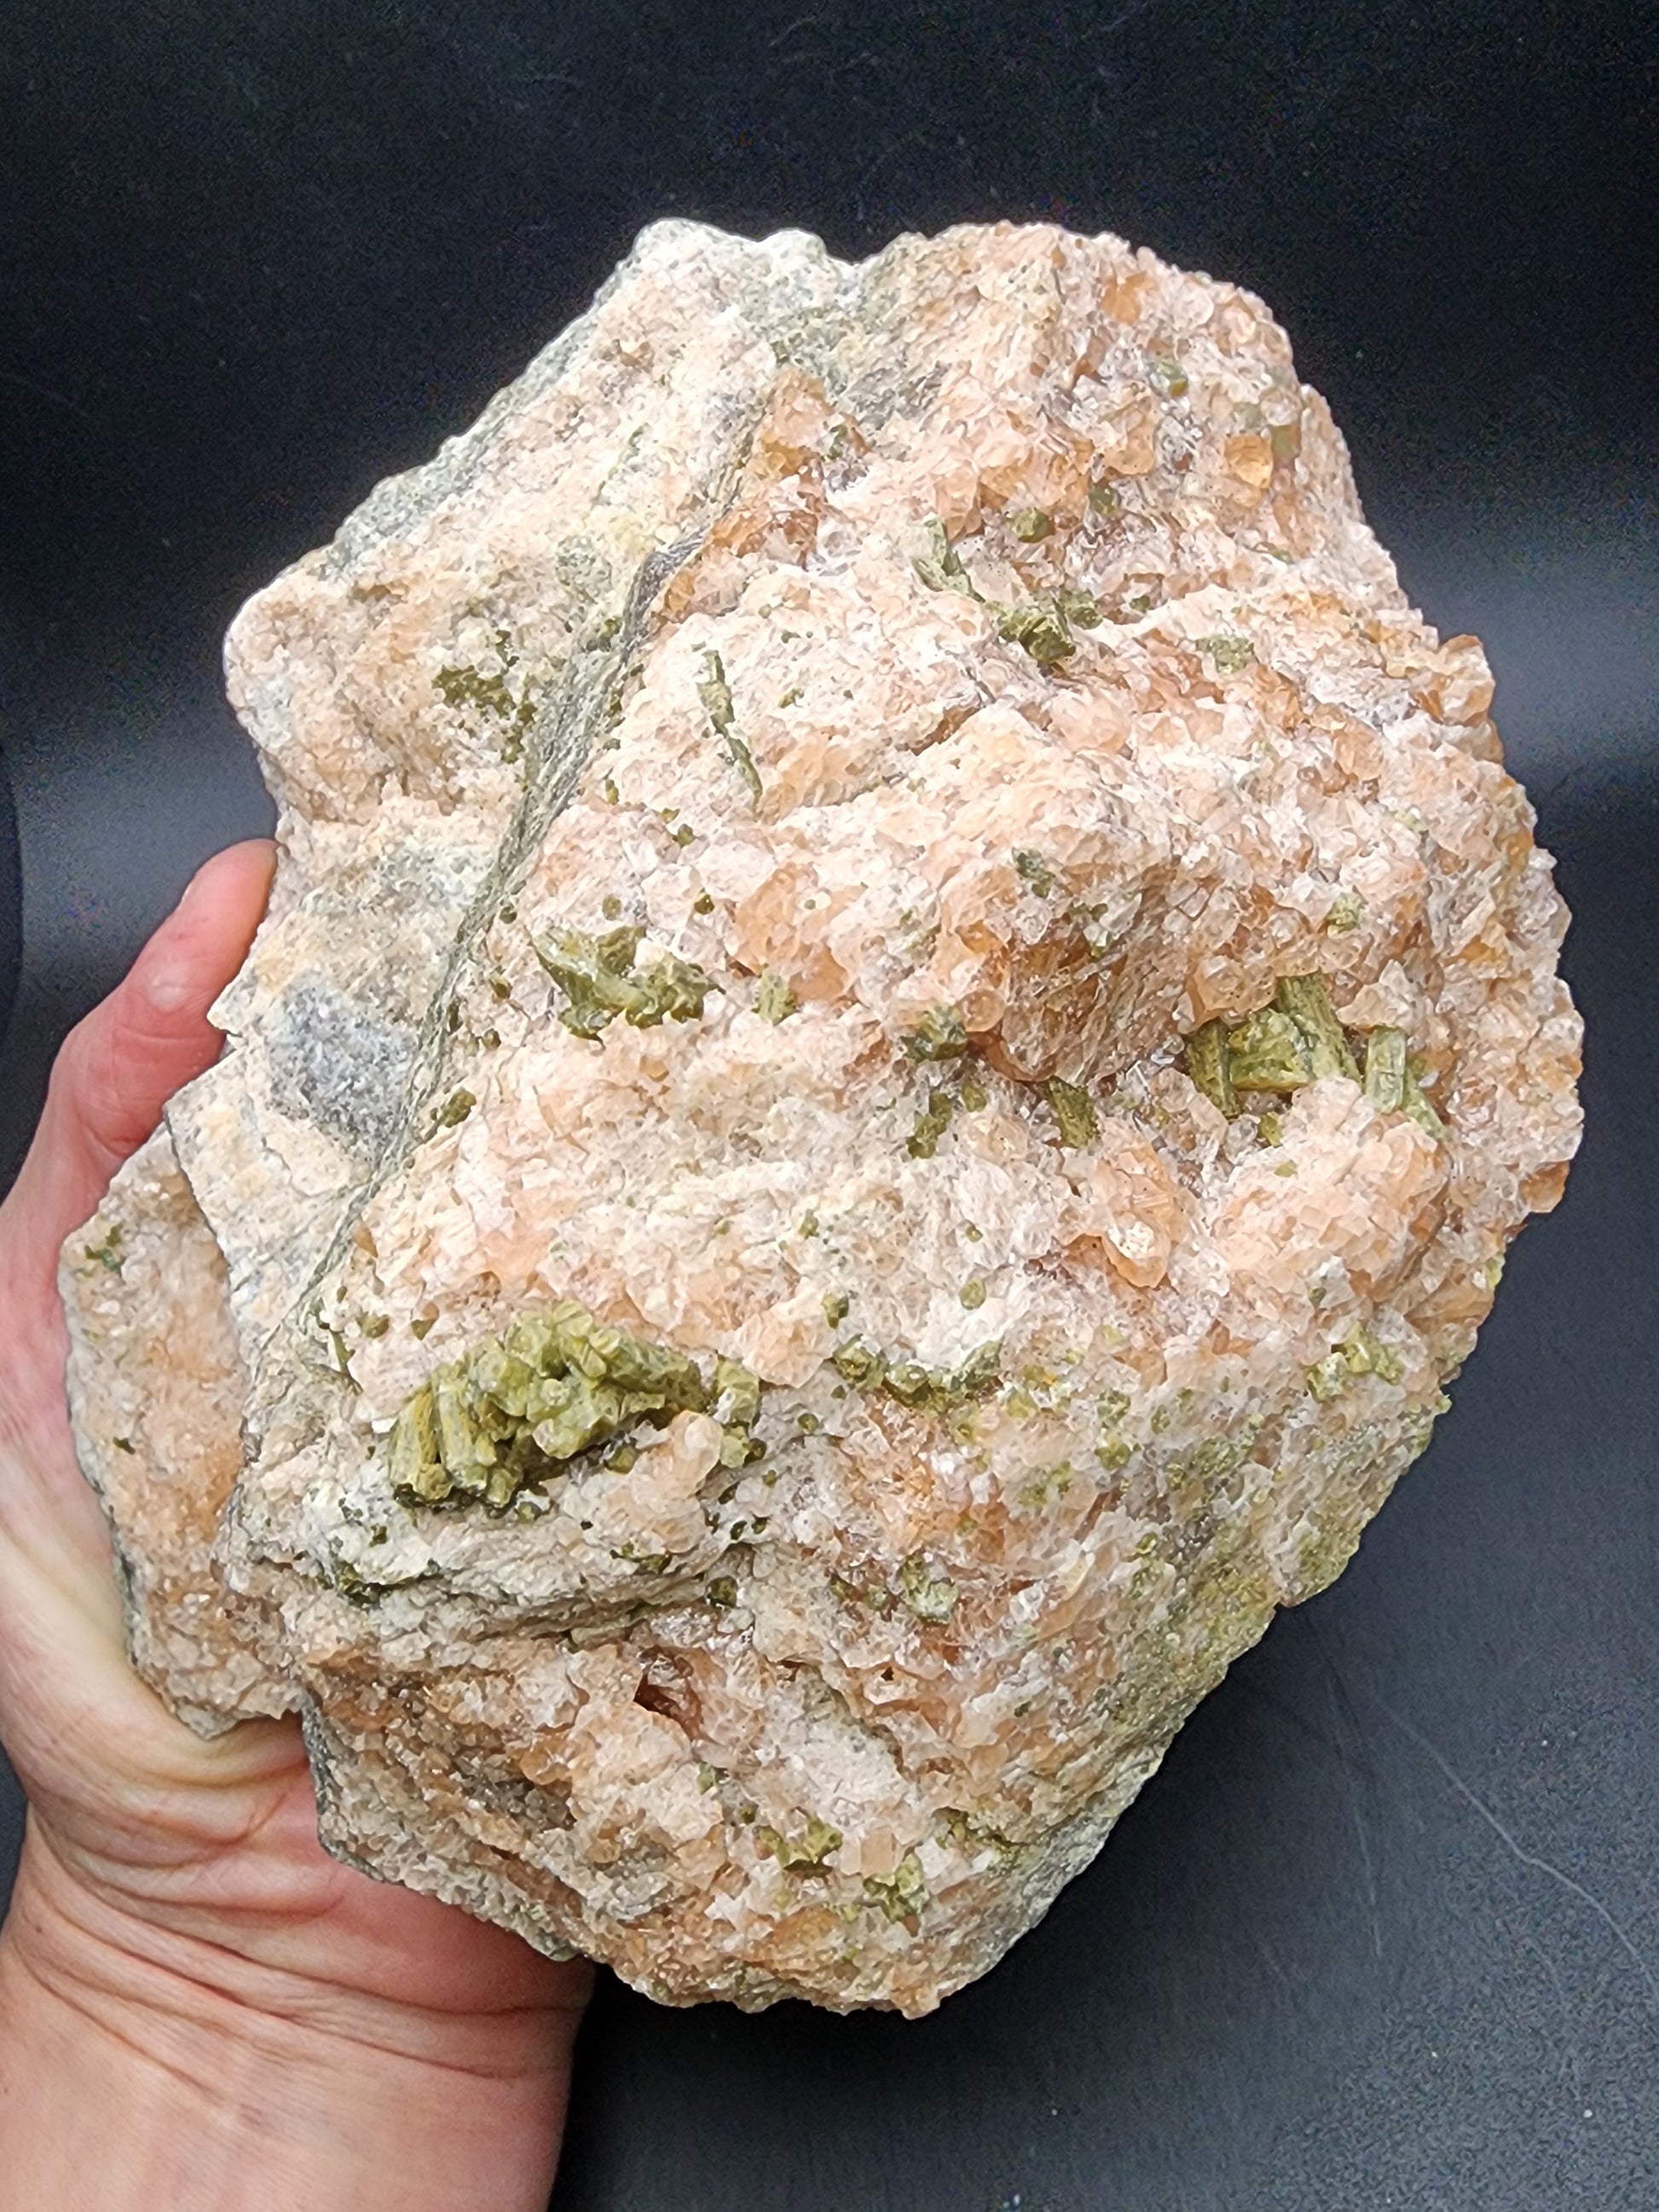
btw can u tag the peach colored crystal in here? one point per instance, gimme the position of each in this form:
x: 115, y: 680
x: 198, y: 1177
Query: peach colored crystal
x: 797, y: 830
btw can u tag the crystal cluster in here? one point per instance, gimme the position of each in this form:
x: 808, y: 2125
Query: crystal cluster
x: 905, y: 1015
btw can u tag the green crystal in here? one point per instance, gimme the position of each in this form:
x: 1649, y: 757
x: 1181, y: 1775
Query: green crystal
x: 900, y: 1894
x: 940, y: 568
x: 1042, y: 630
x: 774, y: 1000
x: 1266, y: 1053
x: 931, y: 1597
x: 1229, y: 654
x: 1074, y: 1111
x: 514, y: 1409
x: 805, y: 1853
x: 1207, y: 1058
x: 931, y: 1125
x: 939, y: 1035
x: 1032, y: 868
x: 1385, y: 1069
x: 600, y: 981
x: 1417, y: 1108
x: 715, y: 693
x: 1307, y: 1000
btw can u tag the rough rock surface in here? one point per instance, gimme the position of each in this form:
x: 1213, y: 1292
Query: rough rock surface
x: 904, y: 1018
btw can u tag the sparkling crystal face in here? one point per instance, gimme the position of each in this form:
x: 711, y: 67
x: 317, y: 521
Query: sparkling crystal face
x: 907, y: 1016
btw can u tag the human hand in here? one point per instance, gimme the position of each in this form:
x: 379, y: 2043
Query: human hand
x: 198, y: 2007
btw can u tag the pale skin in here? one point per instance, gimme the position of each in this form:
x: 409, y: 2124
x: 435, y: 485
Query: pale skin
x: 198, y: 2007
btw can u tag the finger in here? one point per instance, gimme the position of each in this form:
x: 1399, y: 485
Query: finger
x: 118, y: 1067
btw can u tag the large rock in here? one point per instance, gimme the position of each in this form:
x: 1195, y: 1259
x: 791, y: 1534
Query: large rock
x: 904, y: 1018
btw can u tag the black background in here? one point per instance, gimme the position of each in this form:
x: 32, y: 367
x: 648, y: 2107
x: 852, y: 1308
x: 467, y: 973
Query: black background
x: 1385, y: 1930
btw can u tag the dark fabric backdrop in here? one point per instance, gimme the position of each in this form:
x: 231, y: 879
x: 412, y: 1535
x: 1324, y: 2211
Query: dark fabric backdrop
x: 1385, y: 1930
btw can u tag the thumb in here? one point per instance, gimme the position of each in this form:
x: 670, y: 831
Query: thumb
x: 118, y: 1067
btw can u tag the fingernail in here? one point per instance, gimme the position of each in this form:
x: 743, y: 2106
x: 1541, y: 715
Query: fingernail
x: 192, y: 889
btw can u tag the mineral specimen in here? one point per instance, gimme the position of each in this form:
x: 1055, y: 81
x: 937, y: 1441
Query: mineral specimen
x: 905, y: 1015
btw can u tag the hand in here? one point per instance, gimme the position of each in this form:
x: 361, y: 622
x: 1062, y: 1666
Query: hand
x: 198, y: 2006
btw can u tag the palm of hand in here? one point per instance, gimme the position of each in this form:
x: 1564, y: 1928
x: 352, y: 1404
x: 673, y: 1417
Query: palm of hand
x: 139, y: 1829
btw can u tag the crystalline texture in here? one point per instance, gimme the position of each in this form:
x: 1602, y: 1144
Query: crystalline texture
x: 905, y: 1015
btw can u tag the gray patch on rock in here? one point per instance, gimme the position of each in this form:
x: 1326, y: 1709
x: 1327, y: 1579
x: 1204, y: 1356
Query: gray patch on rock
x: 343, y: 1067
x: 793, y: 282
x: 583, y: 567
